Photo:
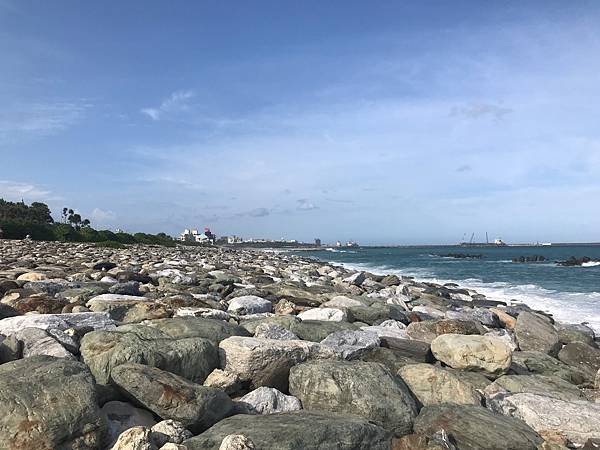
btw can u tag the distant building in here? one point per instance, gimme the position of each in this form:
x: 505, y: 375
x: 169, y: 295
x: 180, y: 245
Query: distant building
x: 193, y: 236
x: 338, y: 244
x: 317, y: 242
x: 234, y: 239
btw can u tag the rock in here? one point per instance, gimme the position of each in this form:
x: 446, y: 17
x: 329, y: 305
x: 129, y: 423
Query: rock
x: 582, y: 357
x: 192, y: 358
x: 376, y: 313
x: 550, y: 386
x: 576, y: 420
x: 364, y: 389
x: 169, y: 431
x: 408, y: 348
x: 325, y: 314
x: 121, y: 416
x: 341, y: 301
x: 526, y: 363
x: 38, y: 342
x: 356, y: 279
x: 508, y: 321
x: 274, y: 331
x: 266, y: 400
x: 8, y: 311
x: 79, y: 321
x: 536, y: 333
x: 475, y: 428
x: 390, y: 359
x: 351, y: 344
x: 11, y: 349
x: 236, y: 442
x: 597, y: 380
x: 48, y: 402
x: 136, y: 438
x: 126, y: 288
x: 171, y: 446
x: 316, y: 331
x: 266, y: 362
x: 483, y: 353
x: 422, y: 331
x: 389, y: 328
x: 249, y: 304
x: 32, y: 276
x: 227, y: 382
x: 569, y: 333
x: 453, y: 326
x: 172, y: 397
x: 299, y: 430
x: 104, y: 266
x: 432, y: 385
x: 187, y: 327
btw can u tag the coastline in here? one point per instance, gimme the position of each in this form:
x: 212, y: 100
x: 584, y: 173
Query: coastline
x: 259, y: 336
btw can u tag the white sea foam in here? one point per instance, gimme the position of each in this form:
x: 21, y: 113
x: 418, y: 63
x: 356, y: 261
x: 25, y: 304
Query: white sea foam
x: 590, y: 264
x: 570, y: 307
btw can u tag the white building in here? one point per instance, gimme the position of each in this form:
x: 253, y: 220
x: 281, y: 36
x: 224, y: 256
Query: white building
x: 194, y: 236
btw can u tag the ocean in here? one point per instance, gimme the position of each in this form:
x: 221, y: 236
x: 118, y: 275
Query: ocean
x: 570, y: 294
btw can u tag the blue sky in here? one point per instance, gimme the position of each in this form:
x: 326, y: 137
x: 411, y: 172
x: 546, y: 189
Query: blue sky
x: 383, y: 122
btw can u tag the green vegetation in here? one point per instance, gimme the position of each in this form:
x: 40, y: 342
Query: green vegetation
x: 18, y: 220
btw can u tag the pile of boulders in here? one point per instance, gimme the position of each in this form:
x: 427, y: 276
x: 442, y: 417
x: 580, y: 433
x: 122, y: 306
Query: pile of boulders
x: 149, y: 348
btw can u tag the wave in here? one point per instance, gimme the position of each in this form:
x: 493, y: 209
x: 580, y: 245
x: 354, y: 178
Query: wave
x: 590, y: 264
x: 569, y: 307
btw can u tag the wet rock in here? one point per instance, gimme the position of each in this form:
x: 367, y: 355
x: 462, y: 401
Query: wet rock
x: 432, y: 385
x: 475, y: 428
x: 299, y: 430
x: 266, y: 400
x: 483, y: 353
x: 172, y: 397
x: 48, y: 402
x: 536, y: 333
x: 364, y: 389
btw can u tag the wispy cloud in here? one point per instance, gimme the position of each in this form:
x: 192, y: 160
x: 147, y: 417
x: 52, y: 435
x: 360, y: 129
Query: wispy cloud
x: 101, y: 216
x: 176, y: 103
x: 40, y: 119
x: 17, y: 191
x: 464, y: 168
x: 478, y: 110
x: 305, y: 204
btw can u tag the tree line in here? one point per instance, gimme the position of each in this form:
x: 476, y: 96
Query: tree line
x: 19, y: 220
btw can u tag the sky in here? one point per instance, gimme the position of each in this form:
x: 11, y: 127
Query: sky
x: 383, y: 122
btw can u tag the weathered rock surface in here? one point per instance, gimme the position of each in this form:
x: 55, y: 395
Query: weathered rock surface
x: 365, y: 389
x: 475, y: 428
x: 578, y: 421
x: 583, y: 357
x: 326, y: 314
x: 432, y: 385
x: 121, y: 416
x: 192, y: 358
x: 249, y: 304
x: 525, y: 363
x: 536, y: 333
x: 485, y: 353
x: 82, y: 321
x: 300, y: 430
x: 266, y: 400
x: 48, y: 402
x: 172, y: 397
x: 351, y: 344
x: 187, y: 327
x: 550, y: 386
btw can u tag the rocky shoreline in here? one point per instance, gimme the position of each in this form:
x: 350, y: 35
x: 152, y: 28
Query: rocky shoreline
x: 149, y: 348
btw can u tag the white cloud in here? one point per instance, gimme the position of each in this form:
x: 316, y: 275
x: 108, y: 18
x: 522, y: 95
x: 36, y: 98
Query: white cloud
x: 100, y: 216
x: 306, y: 205
x: 176, y: 103
x: 17, y: 191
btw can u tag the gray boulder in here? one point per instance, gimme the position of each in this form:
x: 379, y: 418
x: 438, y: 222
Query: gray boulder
x: 187, y: 327
x: 39, y: 342
x: 476, y: 428
x: 535, y: 333
x: 121, y: 416
x: 48, y: 402
x: 299, y: 430
x: 583, y: 357
x: 526, y: 363
x: 364, y: 389
x: 351, y: 344
x: 172, y: 397
x: 274, y: 331
x: 77, y: 321
x: 570, y: 332
x: 192, y: 358
x: 550, y: 386
x: 249, y: 304
x: 316, y: 331
x: 578, y: 421
x: 266, y: 400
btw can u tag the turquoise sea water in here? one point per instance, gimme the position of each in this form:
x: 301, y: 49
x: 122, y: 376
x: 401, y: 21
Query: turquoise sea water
x: 571, y: 294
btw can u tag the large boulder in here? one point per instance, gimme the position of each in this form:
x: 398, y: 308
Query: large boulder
x: 351, y: 344
x: 299, y: 430
x: 526, y: 363
x: 172, y: 397
x: 266, y: 400
x: 583, y: 357
x: 433, y: 385
x: 36, y: 341
x: 364, y: 389
x: 192, y: 358
x: 551, y: 386
x: 317, y: 330
x: 571, y: 332
x: 121, y: 416
x: 249, y: 304
x: 535, y: 333
x: 326, y: 314
x: 266, y: 362
x: 78, y: 321
x: 472, y: 352
x: 476, y: 428
x: 186, y: 327
x: 578, y: 421
x: 49, y: 403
